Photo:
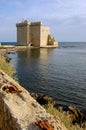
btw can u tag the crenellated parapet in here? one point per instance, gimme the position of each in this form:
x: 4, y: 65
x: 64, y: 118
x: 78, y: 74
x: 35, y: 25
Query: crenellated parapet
x: 36, y: 24
x: 23, y: 23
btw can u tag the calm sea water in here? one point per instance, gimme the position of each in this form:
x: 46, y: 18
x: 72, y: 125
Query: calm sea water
x: 59, y: 72
x: 8, y: 43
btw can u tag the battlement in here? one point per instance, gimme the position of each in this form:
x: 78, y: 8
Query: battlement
x: 36, y: 23
x: 23, y: 23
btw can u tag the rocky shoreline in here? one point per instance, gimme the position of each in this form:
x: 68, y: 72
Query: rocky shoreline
x: 77, y: 117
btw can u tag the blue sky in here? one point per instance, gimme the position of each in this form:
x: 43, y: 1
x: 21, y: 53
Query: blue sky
x: 66, y: 18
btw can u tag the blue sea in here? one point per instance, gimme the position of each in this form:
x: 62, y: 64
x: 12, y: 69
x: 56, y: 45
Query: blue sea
x: 8, y: 43
x: 58, y: 72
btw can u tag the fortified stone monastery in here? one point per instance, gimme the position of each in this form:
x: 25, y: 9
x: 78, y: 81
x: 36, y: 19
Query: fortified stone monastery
x: 34, y: 34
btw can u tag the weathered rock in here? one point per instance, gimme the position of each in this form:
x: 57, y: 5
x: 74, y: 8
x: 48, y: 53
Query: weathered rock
x: 77, y: 116
x: 44, y: 125
x: 19, y: 111
x: 34, y: 95
x: 9, y: 88
x: 7, y: 59
x: 43, y: 99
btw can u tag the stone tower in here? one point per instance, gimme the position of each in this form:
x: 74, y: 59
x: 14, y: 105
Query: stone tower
x: 35, y: 34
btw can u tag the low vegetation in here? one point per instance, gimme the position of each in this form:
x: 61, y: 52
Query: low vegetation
x: 5, y: 66
x: 64, y: 117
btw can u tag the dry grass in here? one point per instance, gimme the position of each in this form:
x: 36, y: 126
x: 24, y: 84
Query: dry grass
x: 64, y: 118
x: 6, y: 67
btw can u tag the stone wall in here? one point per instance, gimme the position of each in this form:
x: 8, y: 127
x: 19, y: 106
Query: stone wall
x: 44, y: 31
x: 35, y: 35
x: 19, y: 111
x: 22, y: 38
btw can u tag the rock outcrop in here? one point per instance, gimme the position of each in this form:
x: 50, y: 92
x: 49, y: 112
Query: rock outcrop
x: 19, y: 111
x: 43, y: 99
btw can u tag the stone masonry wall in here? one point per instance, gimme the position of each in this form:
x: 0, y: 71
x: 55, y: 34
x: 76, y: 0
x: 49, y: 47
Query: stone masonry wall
x: 35, y: 35
x: 19, y: 111
x: 44, y: 32
x: 22, y: 38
